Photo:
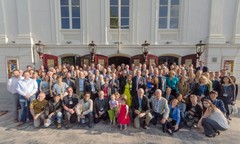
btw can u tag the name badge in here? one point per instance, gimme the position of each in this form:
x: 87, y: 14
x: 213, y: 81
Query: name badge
x: 225, y: 94
x: 101, y: 109
x: 70, y: 102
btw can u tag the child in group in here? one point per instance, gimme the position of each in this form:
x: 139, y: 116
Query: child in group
x: 149, y: 86
x: 123, y: 116
x: 113, y: 104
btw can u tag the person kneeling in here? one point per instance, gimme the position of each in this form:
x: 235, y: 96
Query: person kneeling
x: 213, y: 119
x: 141, y: 110
x: 53, y: 112
x: 174, y: 117
x: 37, y: 109
x: 84, y: 109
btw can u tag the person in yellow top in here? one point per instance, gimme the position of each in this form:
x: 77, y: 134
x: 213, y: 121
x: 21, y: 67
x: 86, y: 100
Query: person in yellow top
x: 128, y: 89
x: 37, y: 108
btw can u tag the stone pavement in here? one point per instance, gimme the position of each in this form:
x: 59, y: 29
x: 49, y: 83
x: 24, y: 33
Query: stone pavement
x: 103, y: 133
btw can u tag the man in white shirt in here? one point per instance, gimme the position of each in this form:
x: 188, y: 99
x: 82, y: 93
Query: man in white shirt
x: 27, y: 89
x: 12, y: 88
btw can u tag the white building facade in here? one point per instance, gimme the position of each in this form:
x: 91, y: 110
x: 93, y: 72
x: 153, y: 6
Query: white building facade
x: 171, y: 27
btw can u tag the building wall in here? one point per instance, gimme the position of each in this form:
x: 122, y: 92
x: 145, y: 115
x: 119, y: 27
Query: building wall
x: 216, y: 22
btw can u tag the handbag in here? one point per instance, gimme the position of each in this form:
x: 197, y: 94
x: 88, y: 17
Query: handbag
x: 233, y: 109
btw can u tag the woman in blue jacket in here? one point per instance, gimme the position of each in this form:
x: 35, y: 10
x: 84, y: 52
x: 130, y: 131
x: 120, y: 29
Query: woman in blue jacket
x: 174, y: 117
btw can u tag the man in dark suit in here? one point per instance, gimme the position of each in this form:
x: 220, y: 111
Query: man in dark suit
x: 161, y: 81
x: 138, y: 82
x: 91, y: 87
x: 70, y: 82
x: 168, y: 96
x: 202, y: 67
x: 122, y: 81
x: 100, y: 108
x: 141, y: 109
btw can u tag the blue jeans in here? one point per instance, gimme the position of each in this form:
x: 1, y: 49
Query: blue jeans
x: 25, y: 111
x: 57, y: 116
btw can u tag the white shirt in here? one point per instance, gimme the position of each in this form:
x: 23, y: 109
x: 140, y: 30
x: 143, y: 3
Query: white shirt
x: 12, y: 84
x: 25, y: 87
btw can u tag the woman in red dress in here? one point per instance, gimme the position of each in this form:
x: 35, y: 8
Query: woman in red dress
x: 123, y: 117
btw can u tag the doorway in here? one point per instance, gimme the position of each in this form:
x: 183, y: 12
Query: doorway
x: 118, y: 60
x: 169, y: 59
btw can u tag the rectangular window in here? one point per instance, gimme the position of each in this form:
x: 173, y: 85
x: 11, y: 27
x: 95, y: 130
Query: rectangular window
x: 168, y: 14
x: 70, y: 14
x: 124, y: 14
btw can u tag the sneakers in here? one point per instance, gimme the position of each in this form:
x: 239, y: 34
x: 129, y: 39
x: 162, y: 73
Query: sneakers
x: 145, y: 127
x: 20, y: 124
x: 59, y: 126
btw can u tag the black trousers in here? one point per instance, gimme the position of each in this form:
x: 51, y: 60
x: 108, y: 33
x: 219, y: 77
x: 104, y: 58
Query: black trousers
x: 104, y: 117
x: 210, y: 126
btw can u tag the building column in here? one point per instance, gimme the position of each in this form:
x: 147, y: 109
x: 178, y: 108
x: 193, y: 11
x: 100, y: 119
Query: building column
x: 3, y: 35
x: 104, y: 20
x: 216, y: 22
x: 84, y: 23
x: 236, y: 35
x: 154, y: 22
x: 24, y: 22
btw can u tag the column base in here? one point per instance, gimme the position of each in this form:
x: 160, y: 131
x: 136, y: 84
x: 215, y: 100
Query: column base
x: 216, y: 39
x: 24, y: 39
x: 236, y: 39
x: 3, y: 39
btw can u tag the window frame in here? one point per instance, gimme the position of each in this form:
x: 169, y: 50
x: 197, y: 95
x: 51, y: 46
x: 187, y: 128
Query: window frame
x: 169, y: 7
x: 70, y: 6
x: 124, y: 27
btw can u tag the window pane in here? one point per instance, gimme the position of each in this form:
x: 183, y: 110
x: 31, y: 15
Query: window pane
x: 65, y: 23
x: 75, y: 11
x: 174, y: 11
x: 113, y: 11
x: 64, y: 2
x: 163, y: 11
x: 174, y: 23
x: 125, y: 12
x: 64, y: 12
x: 75, y: 2
x: 76, y: 23
x: 125, y: 2
x: 113, y: 2
x: 163, y: 2
x: 124, y: 23
x: 113, y: 23
x: 162, y: 23
x: 174, y: 2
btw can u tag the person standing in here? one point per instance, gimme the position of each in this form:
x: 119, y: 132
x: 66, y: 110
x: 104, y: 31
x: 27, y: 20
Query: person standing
x: 202, y: 67
x: 26, y: 89
x: 12, y: 88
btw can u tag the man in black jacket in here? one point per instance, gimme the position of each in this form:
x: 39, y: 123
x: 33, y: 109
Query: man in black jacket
x: 202, y: 67
x: 141, y: 109
x: 138, y: 82
x: 53, y: 112
x: 100, y: 108
x: 69, y: 103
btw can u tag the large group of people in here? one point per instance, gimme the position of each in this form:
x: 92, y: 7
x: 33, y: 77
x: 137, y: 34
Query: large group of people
x: 173, y: 96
